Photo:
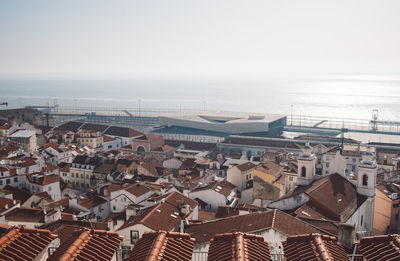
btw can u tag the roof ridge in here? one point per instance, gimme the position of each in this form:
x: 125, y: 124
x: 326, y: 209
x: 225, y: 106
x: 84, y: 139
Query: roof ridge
x: 322, y: 251
x: 76, y: 246
x: 8, y: 238
x: 150, y: 212
x: 158, y: 244
x: 273, y: 218
x: 240, y: 249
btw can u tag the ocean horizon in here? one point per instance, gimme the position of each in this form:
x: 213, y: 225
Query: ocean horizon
x: 347, y: 96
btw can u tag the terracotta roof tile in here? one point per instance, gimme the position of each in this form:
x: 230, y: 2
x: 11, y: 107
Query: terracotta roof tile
x: 91, y: 201
x: 380, y: 248
x: 224, y: 187
x: 18, y: 243
x: 246, y: 166
x: 238, y: 247
x: 313, y: 247
x: 122, y: 132
x: 88, y: 245
x: 203, y: 232
x: 35, y: 215
x: 19, y: 194
x: 163, y: 246
x: 137, y: 189
x: 43, y: 180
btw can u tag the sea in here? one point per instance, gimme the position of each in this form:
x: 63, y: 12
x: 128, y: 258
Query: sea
x: 345, y: 95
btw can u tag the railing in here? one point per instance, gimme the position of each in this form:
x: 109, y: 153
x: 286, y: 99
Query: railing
x: 199, y: 256
x: 202, y: 256
x: 277, y: 257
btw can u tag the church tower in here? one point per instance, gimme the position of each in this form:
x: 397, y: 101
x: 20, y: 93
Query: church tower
x: 366, y: 176
x: 306, y: 166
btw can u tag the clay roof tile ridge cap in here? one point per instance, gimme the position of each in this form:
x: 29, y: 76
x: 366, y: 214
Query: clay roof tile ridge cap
x: 239, y: 247
x: 9, y: 237
x: 157, y: 246
x: 320, y: 247
x: 76, y: 246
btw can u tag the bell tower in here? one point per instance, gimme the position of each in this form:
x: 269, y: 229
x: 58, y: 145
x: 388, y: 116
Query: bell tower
x: 366, y: 176
x: 306, y: 166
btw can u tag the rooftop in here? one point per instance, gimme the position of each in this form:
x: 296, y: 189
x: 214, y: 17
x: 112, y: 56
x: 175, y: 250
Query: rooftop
x: 88, y: 244
x: 205, y: 231
x: 163, y: 246
x: 20, y: 243
x: 380, y: 248
x: 314, y: 247
x: 22, y: 134
x: 238, y: 247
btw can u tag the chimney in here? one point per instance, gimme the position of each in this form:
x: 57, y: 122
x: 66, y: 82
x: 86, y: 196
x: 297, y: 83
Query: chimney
x: 347, y: 235
x: 130, y: 211
x: 182, y: 226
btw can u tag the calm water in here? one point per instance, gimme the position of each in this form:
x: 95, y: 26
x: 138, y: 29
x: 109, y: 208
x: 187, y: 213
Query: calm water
x: 351, y: 96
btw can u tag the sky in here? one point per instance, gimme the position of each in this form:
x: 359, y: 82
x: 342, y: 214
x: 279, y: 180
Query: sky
x: 207, y: 37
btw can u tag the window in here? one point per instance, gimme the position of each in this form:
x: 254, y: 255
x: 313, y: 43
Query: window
x: 15, y: 179
x: 82, y: 184
x: 109, y: 146
x: 8, y: 181
x: 72, y: 174
x: 134, y: 236
x: 303, y: 171
x: 354, y: 159
x: 49, y: 188
x: 114, y: 208
x: 365, y: 180
x: 362, y: 220
x: 1, y: 182
x: 290, y: 178
x: 82, y: 176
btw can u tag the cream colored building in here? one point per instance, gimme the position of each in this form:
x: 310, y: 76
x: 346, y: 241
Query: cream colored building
x: 93, y: 139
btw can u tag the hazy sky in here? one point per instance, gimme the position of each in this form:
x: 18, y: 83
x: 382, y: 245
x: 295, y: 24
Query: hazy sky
x: 185, y: 37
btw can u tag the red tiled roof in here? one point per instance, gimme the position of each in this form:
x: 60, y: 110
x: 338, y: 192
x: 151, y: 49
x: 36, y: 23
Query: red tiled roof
x: 203, y: 232
x: 335, y: 197
x: 163, y: 216
x: 238, y: 247
x: 108, y: 138
x: 19, y: 243
x: 34, y: 215
x: 163, y: 246
x: 380, y: 248
x: 19, y: 194
x: 88, y: 245
x: 270, y: 168
x: 224, y: 187
x: 160, y: 217
x: 137, y: 189
x: 6, y: 203
x: 313, y: 247
x: 91, y: 201
x: 43, y: 180
x: 246, y: 166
